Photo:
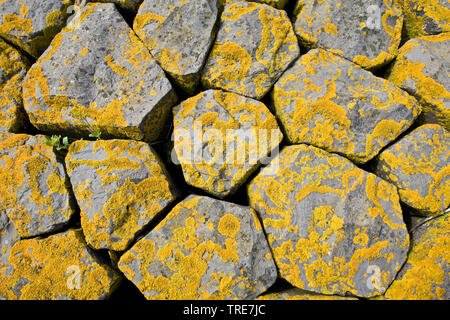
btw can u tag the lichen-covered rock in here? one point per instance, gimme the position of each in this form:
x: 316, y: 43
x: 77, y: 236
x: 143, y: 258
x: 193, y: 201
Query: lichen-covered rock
x: 204, y: 249
x: 279, y: 4
x: 367, y: 33
x: 13, y: 67
x: 120, y: 187
x: 98, y: 67
x: 422, y: 68
x: 426, y: 273
x: 333, y: 228
x: 179, y: 35
x: 128, y: 5
x: 8, y: 236
x: 332, y: 103
x: 419, y: 166
x: 221, y: 137
x: 254, y: 45
x: 34, y: 191
x: 31, y: 24
x: 425, y: 17
x: 299, y: 294
x: 60, y: 267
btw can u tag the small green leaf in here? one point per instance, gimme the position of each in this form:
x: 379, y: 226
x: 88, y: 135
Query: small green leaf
x: 95, y: 134
x: 65, y: 141
x: 49, y: 143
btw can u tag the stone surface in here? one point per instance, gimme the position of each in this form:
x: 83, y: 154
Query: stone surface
x: 98, y: 66
x: 120, y: 187
x: 332, y: 103
x: 220, y: 138
x: 254, y: 45
x: 367, y: 33
x: 425, y: 17
x: 13, y: 67
x: 426, y: 273
x: 60, y: 267
x: 179, y: 35
x: 128, y: 5
x: 31, y: 24
x: 422, y: 68
x: 204, y: 249
x: 419, y: 166
x: 8, y: 236
x: 332, y: 227
x: 34, y: 192
x: 279, y: 4
x: 299, y: 294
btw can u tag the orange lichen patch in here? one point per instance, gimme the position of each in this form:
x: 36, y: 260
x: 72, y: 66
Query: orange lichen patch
x: 33, y: 33
x: 323, y: 100
x: 424, y: 17
x: 425, y: 275
x: 34, y: 207
x: 417, y: 78
x: 57, y: 267
x: 118, y: 203
x: 250, y: 67
x: 418, y: 166
x: 323, y: 217
x: 237, y: 131
x: 183, y: 258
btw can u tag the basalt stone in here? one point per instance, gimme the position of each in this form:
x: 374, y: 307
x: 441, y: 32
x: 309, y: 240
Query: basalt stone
x: 8, y: 236
x: 418, y: 166
x: 98, y: 73
x: 255, y: 44
x: 59, y: 267
x: 203, y: 249
x: 422, y: 68
x: 425, y: 275
x: 220, y: 138
x: 367, y: 33
x: 332, y: 103
x: 34, y: 192
x: 333, y: 228
x: 13, y: 67
x: 120, y: 187
x: 31, y: 24
x: 179, y: 35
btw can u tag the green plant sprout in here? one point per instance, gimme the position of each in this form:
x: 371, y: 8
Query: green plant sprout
x: 57, y: 143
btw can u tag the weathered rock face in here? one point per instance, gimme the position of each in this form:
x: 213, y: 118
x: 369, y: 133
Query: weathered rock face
x: 332, y: 103
x: 425, y: 275
x: 34, y: 190
x: 30, y: 24
x: 425, y: 17
x: 8, y: 236
x: 279, y: 4
x: 298, y: 294
x: 333, y: 228
x: 367, y: 33
x: 254, y: 45
x: 120, y: 187
x: 127, y: 5
x: 204, y: 249
x: 13, y: 67
x: 98, y: 66
x: 419, y: 166
x: 422, y: 68
x: 179, y: 35
x: 59, y: 267
x: 220, y: 138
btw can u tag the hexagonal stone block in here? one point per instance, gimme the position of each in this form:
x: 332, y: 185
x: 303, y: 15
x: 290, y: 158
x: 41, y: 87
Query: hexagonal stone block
x: 367, y: 33
x: 13, y: 67
x: 425, y: 17
x: 332, y: 103
x: 97, y: 67
x: 422, y: 68
x: 220, y: 138
x: 31, y: 25
x: 255, y: 44
x: 426, y: 273
x: 60, y: 267
x: 203, y: 249
x: 179, y: 35
x: 332, y: 227
x: 34, y: 192
x: 120, y: 187
x: 419, y: 166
